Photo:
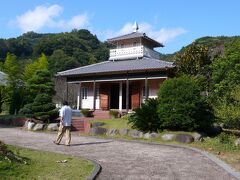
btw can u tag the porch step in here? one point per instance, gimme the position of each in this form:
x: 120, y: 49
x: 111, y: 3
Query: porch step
x: 80, y: 124
x: 99, y: 114
x: 77, y: 125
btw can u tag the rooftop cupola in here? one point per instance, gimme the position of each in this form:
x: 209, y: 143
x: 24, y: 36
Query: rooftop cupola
x: 133, y: 46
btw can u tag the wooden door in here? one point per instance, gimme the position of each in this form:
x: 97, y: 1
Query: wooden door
x: 104, y: 96
x: 135, y: 95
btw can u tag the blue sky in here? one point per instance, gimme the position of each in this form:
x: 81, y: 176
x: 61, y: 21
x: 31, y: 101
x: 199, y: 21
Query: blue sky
x: 175, y: 23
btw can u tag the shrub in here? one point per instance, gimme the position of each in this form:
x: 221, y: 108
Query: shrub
x: 42, y: 108
x: 10, y: 119
x: 146, y: 118
x: 27, y: 110
x: 114, y: 113
x: 229, y: 112
x: 181, y: 107
x: 87, y: 112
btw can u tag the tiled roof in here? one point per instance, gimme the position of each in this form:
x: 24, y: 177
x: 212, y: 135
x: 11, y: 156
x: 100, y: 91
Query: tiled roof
x: 135, y: 35
x: 118, y: 66
x: 128, y: 36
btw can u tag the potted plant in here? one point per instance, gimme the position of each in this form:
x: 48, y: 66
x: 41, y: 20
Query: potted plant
x: 114, y: 113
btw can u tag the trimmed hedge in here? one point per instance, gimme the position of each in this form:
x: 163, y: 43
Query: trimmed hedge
x: 182, y: 107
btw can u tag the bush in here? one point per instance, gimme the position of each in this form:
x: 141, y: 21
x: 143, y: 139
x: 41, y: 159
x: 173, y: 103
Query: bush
x: 229, y: 112
x: 114, y: 113
x: 146, y: 118
x: 181, y: 107
x: 87, y: 112
x: 10, y: 119
x: 27, y: 110
x: 42, y: 108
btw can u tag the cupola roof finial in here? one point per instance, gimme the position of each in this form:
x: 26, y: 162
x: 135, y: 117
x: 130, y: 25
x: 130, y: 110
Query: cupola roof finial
x: 135, y: 27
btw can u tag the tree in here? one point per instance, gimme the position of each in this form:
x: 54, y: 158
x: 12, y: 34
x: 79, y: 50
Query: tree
x: 92, y: 60
x: 59, y: 61
x: 181, y: 106
x: 229, y: 113
x: 30, y: 69
x: 13, y: 92
x: 226, y: 72
x: 226, y: 80
x: 41, y: 91
x: 192, y: 60
x: 40, y: 83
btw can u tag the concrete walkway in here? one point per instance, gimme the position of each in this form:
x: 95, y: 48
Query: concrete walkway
x: 126, y: 160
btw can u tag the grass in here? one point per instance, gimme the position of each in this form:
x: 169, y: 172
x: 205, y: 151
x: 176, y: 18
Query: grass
x: 43, y: 165
x: 222, y: 145
x: 117, y: 123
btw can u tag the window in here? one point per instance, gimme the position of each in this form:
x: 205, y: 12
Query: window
x: 97, y: 93
x: 84, y: 92
x: 143, y: 91
x: 122, y: 46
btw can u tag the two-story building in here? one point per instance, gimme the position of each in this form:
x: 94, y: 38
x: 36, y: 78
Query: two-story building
x: 132, y: 74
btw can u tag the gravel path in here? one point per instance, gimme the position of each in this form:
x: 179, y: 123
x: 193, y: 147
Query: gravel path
x: 126, y: 160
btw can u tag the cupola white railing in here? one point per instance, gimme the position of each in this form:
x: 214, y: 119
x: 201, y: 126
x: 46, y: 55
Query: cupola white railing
x: 132, y: 52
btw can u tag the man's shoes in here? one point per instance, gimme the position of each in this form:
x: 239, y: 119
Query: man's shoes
x: 55, y: 143
x: 67, y: 145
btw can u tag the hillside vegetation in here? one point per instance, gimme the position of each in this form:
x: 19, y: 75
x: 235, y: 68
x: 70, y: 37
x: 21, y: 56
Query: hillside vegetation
x: 214, y: 44
x: 64, y: 50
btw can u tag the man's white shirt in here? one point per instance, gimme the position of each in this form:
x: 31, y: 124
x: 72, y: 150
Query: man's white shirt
x: 66, y: 114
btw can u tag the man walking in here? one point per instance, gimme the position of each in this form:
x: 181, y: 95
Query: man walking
x: 65, y: 124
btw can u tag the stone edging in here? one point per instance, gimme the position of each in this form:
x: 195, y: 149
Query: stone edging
x: 210, y: 156
x: 96, y: 171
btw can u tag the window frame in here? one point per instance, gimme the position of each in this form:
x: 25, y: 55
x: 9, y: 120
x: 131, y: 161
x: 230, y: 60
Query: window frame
x: 84, y: 92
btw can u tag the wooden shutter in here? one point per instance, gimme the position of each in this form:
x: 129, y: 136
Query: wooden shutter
x: 104, y: 96
x: 135, y: 95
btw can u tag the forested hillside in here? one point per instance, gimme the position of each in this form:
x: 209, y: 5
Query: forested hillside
x: 64, y: 50
x: 214, y: 44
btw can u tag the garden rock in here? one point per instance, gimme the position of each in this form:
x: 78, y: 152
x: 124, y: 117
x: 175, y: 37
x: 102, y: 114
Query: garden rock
x: 112, y: 132
x: 146, y: 136
x: 30, y: 125
x: 52, y: 127
x: 184, y: 138
x: 168, y: 137
x: 198, y: 137
x: 154, y: 135
x: 98, y: 124
x: 150, y: 135
x: 136, y: 134
x: 237, y: 142
x: 38, y: 127
x: 98, y: 131
x: 123, y: 131
x: 26, y: 124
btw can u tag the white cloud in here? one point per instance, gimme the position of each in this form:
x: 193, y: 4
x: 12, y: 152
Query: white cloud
x: 78, y: 21
x: 162, y: 35
x: 45, y: 16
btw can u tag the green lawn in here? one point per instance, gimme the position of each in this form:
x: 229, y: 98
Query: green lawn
x: 43, y: 165
x: 117, y: 123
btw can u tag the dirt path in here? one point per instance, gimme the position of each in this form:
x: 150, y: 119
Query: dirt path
x: 126, y: 160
